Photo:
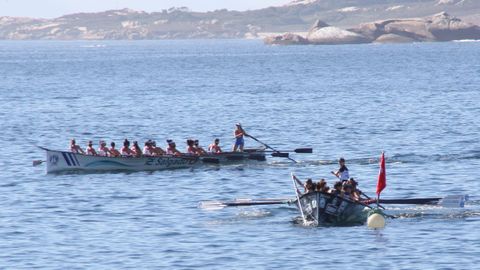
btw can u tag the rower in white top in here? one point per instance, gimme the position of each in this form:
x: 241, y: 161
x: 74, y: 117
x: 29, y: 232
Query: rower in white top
x: 214, y: 147
x: 103, y: 149
x: 148, y: 149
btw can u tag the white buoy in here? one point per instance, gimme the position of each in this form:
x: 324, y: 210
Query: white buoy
x: 376, y: 221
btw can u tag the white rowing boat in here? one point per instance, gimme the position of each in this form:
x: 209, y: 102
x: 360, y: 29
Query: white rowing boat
x: 60, y: 161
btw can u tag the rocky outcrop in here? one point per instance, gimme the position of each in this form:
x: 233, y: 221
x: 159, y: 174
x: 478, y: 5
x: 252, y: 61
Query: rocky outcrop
x: 286, y: 39
x: 393, y: 38
x: 445, y: 28
x: 322, y: 33
x: 439, y: 27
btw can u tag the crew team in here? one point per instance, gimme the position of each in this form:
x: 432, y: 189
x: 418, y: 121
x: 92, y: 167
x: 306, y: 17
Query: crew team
x: 152, y: 150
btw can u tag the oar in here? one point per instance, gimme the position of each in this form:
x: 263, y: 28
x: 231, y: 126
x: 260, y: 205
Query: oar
x: 280, y: 154
x: 294, y: 180
x: 217, y: 205
x: 448, y: 201
x: 298, y: 150
x: 38, y: 162
x: 268, y: 146
x: 385, y: 214
x: 368, y: 198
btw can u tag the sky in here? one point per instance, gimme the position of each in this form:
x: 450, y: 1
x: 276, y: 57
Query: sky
x: 57, y: 8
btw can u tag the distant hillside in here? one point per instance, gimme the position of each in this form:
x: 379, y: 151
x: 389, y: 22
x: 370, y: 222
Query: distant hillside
x: 180, y: 23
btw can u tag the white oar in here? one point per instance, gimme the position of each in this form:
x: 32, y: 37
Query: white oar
x: 298, y: 199
x: 218, y: 205
x: 454, y: 201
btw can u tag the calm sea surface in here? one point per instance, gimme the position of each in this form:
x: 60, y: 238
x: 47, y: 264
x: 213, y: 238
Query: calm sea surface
x: 420, y: 103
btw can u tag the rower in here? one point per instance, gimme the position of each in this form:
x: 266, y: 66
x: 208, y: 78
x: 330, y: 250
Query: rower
x: 148, y: 149
x: 322, y: 186
x: 90, y: 150
x: 342, y: 172
x: 355, y: 191
x: 337, y: 188
x: 347, y: 191
x: 103, y: 149
x: 309, y: 186
x: 191, y: 147
x: 74, y: 148
x: 136, y: 151
x: 172, y: 148
x: 239, y: 141
x: 157, y: 151
x: 113, y: 151
x: 198, y: 148
x: 214, y: 147
x: 126, y: 149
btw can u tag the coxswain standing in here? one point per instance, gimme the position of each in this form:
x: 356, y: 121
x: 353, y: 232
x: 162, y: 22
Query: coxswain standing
x: 74, y: 148
x: 90, y: 150
x: 342, y: 172
x: 239, y: 141
x: 214, y: 147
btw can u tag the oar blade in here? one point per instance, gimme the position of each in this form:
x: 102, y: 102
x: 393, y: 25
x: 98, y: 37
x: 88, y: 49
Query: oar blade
x: 304, y: 150
x: 37, y: 162
x: 280, y: 154
x: 453, y: 201
x: 212, y: 205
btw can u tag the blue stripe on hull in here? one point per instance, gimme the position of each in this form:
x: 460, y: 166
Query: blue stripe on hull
x: 66, y: 159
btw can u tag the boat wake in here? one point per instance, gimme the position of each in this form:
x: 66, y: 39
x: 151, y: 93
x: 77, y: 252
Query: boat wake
x: 470, y: 210
x: 395, y: 158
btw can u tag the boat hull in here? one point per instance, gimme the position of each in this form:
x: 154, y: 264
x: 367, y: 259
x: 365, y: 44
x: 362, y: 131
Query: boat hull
x: 61, y: 161
x: 326, y: 209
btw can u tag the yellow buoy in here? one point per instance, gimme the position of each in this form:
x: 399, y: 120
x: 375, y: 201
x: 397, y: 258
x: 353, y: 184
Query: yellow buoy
x: 376, y: 221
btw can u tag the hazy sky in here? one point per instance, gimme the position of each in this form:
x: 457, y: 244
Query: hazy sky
x: 56, y: 8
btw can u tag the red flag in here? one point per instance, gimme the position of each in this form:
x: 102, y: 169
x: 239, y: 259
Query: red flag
x: 382, y: 175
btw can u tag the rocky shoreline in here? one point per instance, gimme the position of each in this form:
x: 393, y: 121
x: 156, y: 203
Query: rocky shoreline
x: 439, y: 27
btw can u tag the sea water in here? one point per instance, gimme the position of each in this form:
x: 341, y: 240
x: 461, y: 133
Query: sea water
x: 417, y: 102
